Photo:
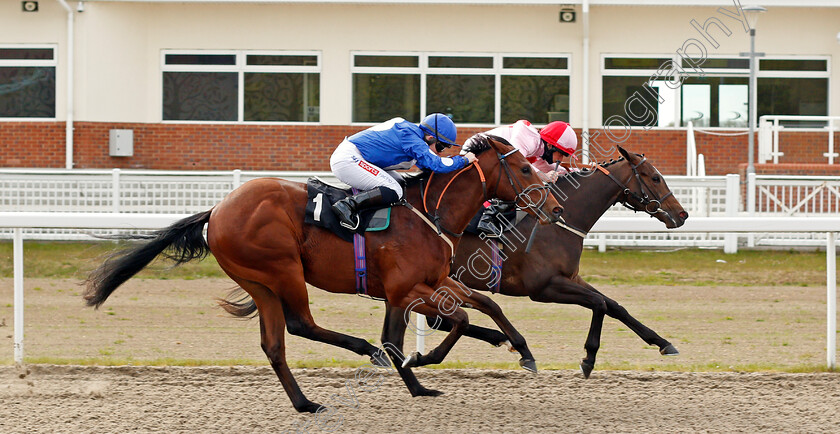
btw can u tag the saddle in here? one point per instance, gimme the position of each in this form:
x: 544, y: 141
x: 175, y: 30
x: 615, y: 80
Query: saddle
x: 320, y: 197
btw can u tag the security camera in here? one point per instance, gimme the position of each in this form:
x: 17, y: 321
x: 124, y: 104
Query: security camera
x: 29, y: 6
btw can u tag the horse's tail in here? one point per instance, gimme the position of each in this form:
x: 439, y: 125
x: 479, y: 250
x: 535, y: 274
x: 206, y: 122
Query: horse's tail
x: 184, y: 240
x: 239, y: 303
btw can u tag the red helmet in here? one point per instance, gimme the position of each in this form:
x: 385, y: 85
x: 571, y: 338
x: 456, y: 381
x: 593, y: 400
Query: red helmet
x: 561, y: 136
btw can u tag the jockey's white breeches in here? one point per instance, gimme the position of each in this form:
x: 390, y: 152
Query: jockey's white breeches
x: 351, y: 168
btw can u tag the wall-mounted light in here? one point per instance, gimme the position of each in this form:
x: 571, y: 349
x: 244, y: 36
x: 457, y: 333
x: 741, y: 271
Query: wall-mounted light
x: 567, y: 15
x: 29, y: 6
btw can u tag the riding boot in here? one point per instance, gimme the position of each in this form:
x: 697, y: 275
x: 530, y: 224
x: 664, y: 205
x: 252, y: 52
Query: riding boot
x: 347, y: 209
x: 487, y: 223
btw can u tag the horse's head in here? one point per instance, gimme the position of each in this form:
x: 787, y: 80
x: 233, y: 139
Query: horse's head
x: 646, y: 191
x: 510, y: 177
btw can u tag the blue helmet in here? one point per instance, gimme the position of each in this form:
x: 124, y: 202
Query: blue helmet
x: 439, y: 126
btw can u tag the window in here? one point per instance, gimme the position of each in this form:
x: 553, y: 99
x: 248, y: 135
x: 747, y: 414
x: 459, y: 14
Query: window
x: 716, y: 93
x: 241, y: 86
x: 27, y: 82
x: 472, y: 88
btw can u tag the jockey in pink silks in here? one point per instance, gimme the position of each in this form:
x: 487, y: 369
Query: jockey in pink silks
x: 539, y: 147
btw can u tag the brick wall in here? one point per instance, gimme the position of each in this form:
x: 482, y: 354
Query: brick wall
x: 298, y: 147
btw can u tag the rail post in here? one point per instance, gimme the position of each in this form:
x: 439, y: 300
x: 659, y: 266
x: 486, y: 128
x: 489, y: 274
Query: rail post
x: 831, y: 287
x: 733, y: 202
x: 18, y: 297
x: 421, y: 333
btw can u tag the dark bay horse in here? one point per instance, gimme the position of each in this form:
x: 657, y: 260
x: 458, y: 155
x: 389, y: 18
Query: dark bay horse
x: 258, y: 236
x: 548, y: 273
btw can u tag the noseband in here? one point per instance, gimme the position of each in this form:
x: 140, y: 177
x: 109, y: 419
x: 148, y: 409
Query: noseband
x: 649, y: 204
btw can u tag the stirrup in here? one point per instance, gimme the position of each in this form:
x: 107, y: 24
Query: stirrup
x: 354, y: 227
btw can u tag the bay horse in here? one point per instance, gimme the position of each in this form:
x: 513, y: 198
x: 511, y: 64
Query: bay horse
x: 258, y: 236
x: 549, y: 271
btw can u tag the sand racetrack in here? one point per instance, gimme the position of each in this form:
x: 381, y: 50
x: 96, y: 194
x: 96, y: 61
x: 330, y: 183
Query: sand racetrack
x: 632, y: 389
x: 249, y: 399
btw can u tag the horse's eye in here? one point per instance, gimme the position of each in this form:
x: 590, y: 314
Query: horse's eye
x: 526, y: 170
x: 656, y: 179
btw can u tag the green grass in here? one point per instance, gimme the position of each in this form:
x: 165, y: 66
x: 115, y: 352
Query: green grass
x: 693, y: 267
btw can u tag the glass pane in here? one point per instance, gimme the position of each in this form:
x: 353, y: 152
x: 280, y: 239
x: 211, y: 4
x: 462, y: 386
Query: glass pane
x: 200, y: 96
x: 536, y: 62
x: 697, y: 104
x: 379, y: 97
x: 539, y: 99
x: 201, y: 59
x: 465, y: 98
x: 665, y: 100
x: 718, y: 63
x: 733, y: 101
x: 27, y: 92
x: 618, y: 90
x: 282, y: 97
x: 793, y: 96
x: 715, y: 112
x: 460, y: 62
x: 259, y: 59
x: 27, y: 53
x: 388, y: 61
x: 633, y: 63
x: 792, y: 65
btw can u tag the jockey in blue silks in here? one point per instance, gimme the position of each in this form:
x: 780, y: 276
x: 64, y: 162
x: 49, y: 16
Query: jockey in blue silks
x: 368, y: 160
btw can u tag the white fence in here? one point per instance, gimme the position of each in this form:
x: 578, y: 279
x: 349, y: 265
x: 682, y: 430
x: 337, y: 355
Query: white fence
x: 770, y: 128
x: 169, y: 192
x: 19, y: 220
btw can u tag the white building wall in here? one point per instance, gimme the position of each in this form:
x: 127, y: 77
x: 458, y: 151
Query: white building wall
x: 118, y: 44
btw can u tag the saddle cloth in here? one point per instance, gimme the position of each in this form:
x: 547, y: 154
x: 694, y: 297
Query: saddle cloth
x: 321, y: 196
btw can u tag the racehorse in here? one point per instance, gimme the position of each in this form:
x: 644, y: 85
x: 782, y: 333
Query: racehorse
x: 258, y: 236
x: 548, y: 272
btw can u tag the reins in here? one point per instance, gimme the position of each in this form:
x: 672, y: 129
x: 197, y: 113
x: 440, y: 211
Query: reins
x: 644, y: 200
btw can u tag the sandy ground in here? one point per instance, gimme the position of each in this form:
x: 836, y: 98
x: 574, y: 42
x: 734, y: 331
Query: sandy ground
x: 245, y: 399
x: 632, y: 389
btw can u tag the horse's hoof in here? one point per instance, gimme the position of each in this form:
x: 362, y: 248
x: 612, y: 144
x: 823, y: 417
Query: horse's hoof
x: 586, y: 368
x: 528, y: 365
x: 308, y: 407
x: 427, y: 392
x: 411, y: 360
x: 670, y: 350
x: 381, y: 360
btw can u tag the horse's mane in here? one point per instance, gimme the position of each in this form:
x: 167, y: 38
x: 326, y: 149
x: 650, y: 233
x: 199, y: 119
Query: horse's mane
x: 478, y: 144
x: 481, y: 142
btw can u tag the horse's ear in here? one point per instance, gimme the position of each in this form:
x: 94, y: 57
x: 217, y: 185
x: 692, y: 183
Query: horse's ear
x: 624, y: 153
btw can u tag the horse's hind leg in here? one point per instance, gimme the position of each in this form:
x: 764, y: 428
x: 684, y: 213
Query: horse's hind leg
x: 272, y: 334
x: 299, y: 319
x: 618, y: 312
x: 565, y: 291
x: 393, y: 335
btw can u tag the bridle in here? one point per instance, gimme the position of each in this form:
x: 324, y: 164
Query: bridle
x: 650, y: 204
x: 521, y: 192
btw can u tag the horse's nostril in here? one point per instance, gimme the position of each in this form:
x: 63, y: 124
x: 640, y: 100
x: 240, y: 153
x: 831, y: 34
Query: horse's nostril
x: 683, y: 215
x: 557, y: 210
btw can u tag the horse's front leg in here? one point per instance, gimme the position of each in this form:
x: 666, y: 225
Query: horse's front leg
x: 423, y: 299
x: 471, y: 299
x: 563, y: 290
x: 393, y: 334
x: 618, y: 312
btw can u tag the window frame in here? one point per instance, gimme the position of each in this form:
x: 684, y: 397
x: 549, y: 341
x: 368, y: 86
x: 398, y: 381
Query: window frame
x: 424, y: 70
x: 240, y: 68
x: 33, y: 63
x: 645, y: 74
